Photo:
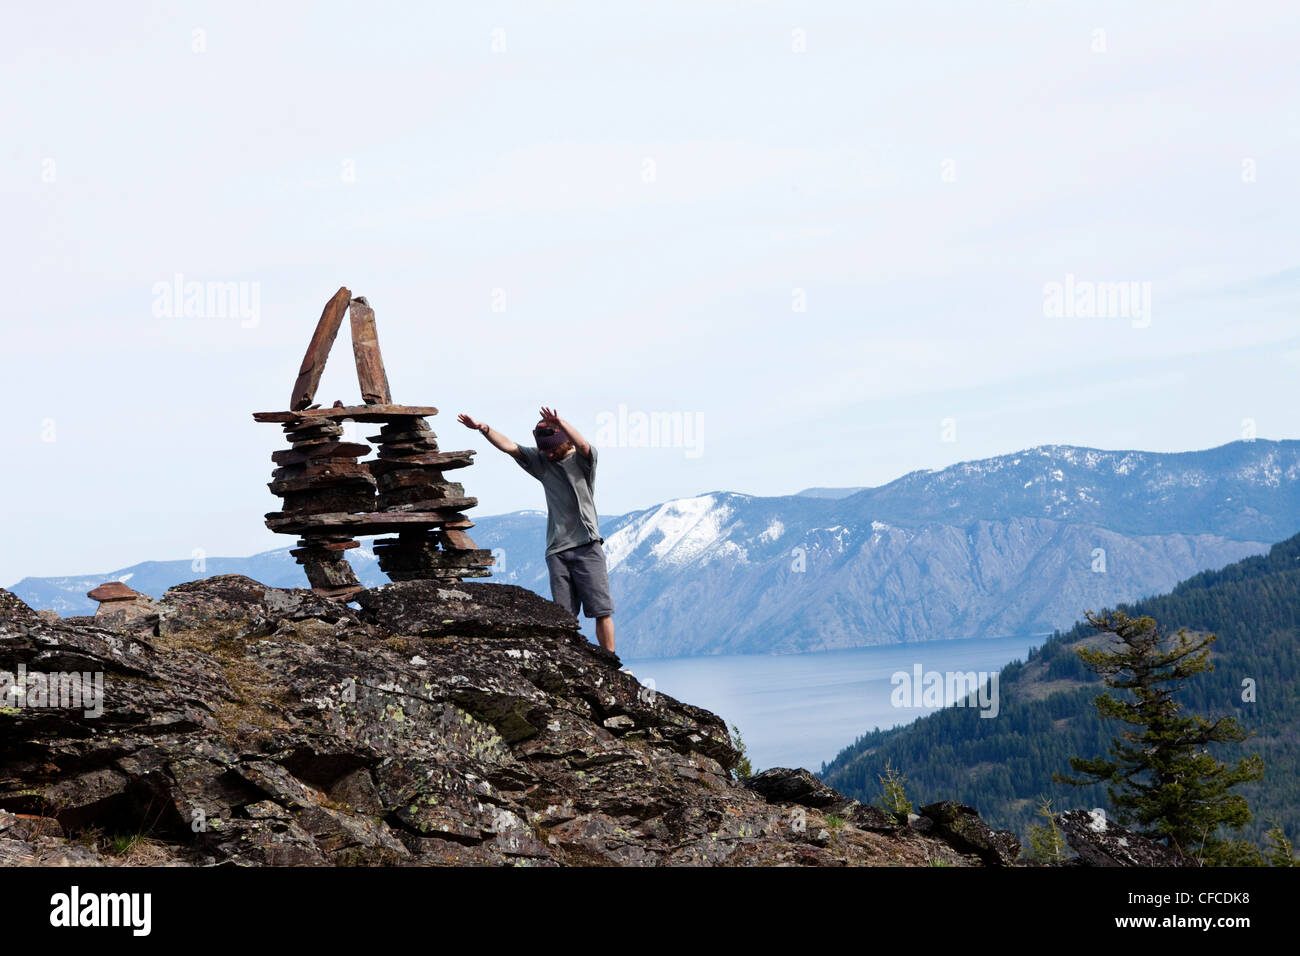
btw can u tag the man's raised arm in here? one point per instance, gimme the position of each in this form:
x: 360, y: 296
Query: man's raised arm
x: 491, y: 434
x: 580, y: 444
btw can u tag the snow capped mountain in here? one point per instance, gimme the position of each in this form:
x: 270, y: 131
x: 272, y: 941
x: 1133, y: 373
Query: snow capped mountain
x: 1016, y: 544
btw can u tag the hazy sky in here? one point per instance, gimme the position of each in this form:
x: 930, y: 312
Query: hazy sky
x: 817, y: 231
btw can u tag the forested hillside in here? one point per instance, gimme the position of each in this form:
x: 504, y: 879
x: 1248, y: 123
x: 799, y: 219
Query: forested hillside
x: 1003, y: 765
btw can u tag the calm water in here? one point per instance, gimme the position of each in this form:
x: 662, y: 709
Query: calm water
x: 798, y: 710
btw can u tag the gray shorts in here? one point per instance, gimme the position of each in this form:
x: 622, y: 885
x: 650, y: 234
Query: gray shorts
x: 579, y: 575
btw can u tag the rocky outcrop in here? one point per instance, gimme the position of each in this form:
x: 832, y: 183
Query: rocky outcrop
x: 425, y: 724
x: 962, y: 826
x: 13, y: 611
x: 1100, y: 842
x: 781, y: 785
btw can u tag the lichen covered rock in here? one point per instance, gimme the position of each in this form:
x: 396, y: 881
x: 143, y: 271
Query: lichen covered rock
x: 428, y: 724
x: 1101, y: 842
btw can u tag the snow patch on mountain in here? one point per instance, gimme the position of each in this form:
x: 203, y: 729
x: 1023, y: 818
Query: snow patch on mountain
x: 726, y: 550
x: 1267, y: 471
x: 681, y: 531
x: 690, y: 527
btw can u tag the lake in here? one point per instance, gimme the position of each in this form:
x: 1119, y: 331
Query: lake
x: 798, y: 710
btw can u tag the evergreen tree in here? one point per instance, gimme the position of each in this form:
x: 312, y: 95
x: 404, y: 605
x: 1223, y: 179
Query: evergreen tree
x: 1161, y: 779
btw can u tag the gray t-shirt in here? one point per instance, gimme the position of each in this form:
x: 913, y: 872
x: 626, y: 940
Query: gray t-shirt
x: 570, y: 486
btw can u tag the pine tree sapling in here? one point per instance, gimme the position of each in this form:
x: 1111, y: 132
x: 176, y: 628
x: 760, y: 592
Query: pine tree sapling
x: 1046, y: 844
x: 1280, y: 851
x: 893, y: 797
x: 743, y: 769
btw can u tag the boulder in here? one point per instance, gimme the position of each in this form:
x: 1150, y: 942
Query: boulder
x: 432, y: 609
x: 13, y: 611
x: 961, y: 825
x: 1101, y: 842
x: 784, y: 785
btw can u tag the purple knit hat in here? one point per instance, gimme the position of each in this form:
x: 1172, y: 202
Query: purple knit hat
x: 548, y: 437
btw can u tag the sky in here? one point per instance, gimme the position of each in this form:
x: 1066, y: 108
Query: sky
x: 836, y: 242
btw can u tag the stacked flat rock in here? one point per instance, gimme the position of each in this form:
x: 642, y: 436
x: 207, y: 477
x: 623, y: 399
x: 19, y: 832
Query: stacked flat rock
x: 320, y: 475
x: 409, y: 474
x: 331, y: 499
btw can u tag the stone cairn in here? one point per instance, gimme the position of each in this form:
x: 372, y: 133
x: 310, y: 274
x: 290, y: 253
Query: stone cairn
x: 121, y: 606
x: 330, y: 497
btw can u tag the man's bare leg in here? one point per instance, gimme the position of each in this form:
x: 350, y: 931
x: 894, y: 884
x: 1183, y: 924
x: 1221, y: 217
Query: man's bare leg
x: 605, y: 632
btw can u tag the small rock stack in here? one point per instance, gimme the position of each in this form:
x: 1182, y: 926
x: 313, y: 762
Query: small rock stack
x: 121, y: 606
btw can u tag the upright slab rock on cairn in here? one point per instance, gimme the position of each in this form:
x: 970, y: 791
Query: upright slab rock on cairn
x: 331, y: 497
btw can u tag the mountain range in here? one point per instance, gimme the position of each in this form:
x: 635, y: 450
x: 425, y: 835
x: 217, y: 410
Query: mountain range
x: 1011, y: 545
